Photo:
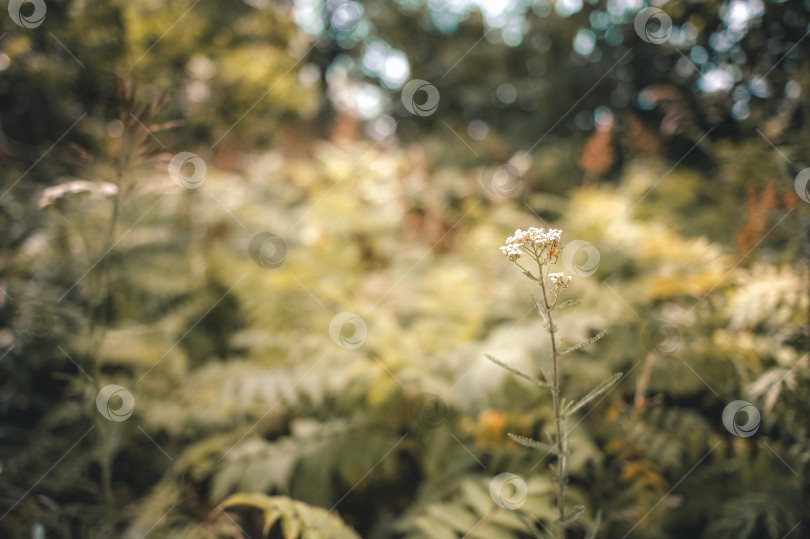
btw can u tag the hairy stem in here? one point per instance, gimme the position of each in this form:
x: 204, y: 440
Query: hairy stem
x: 98, y: 329
x: 559, y: 421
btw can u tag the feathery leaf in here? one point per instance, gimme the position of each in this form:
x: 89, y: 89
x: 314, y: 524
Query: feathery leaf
x: 573, y: 515
x: 583, y: 344
x: 534, y: 444
x: 605, y: 386
x: 566, y: 304
x: 517, y: 372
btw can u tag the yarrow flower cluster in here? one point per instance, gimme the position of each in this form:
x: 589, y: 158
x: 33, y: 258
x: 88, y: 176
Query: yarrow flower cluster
x: 560, y: 279
x: 536, y: 240
x: 542, y: 246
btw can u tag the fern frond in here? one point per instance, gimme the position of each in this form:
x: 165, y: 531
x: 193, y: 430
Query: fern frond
x: 297, y: 518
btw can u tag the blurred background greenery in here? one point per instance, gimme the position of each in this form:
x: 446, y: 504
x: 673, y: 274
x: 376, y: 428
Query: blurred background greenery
x: 673, y: 140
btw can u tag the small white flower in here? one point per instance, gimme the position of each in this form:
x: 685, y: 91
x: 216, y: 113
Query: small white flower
x: 511, y: 251
x: 539, y: 241
x: 518, y: 237
x: 560, y: 279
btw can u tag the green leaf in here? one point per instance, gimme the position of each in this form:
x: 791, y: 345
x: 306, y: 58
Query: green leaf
x: 290, y: 527
x: 583, y: 344
x: 270, y: 518
x: 488, y: 531
x: 507, y: 519
x: 595, y: 528
x: 572, y: 516
x: 566, y: 304
x: 297, y: 518
x: 435, y: 529
x: 516, y: 372
x: 476, y: 497
x: 257, y: 501
x: 534, y: 444
x: 601, y: 389
x: 454, y: 515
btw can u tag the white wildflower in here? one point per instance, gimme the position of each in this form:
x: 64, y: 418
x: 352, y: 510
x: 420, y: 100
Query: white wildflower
x: 75, y: 187
x: 560, y: 279
x: 539, y: 242
x: 511, y: 251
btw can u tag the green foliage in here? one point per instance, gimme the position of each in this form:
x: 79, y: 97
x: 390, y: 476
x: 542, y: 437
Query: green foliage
x: 529, y: 442
x: 296, y: 519
x: 583, y: 344
x: 598, y: 391
x: 275, y: 407
x: 242, y: 397
x: 517, y: 372
x: 472, y: 512
x: 569, y: 303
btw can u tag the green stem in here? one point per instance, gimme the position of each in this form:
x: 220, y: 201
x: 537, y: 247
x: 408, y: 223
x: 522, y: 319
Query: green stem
x: 98, y: 330
x: 559, y: 421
